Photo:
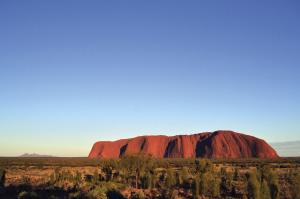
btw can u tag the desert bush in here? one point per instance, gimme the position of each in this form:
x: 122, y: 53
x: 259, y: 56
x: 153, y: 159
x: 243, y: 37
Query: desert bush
x: 147, y: 180
x: 295, y: 183
x: 113, y: 185
x: 215, y: 188
x: 55, y: 176
x: 174, y: 194
x: 98, y: 193
x: 274, y: 185
x: 197, y: 187
x: 236, y: 175
x: 95, y: 178
x: 135, y: 165
x: 108, y: 167
x: 138, y: 195
x: 77, y: 177
x: 25, y: 180
x: 2, y: 177
x: 52, y: 179
x: 265, y: 190
x: 209, y: 185
x: 203, y: 165
x: 104, y: 190
x: 170, y: 179
x: 28, y: 195
x: 226, y: 182
x: 184, y: 174
x: 206, y: 181
x: 271, y: 178
x: 253, y: 186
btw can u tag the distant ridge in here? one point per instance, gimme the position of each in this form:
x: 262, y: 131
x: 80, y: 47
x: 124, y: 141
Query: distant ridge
x: 218, y: 144
x: 34, y: 155
x: 287, y: 149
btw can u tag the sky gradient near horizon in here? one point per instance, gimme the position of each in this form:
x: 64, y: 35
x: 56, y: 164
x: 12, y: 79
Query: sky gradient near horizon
x: 75, y: 72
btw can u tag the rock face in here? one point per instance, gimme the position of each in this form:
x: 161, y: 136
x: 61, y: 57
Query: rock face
x: 218, y: 144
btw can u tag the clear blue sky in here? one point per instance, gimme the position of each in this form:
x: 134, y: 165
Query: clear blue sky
x: 74, y: 72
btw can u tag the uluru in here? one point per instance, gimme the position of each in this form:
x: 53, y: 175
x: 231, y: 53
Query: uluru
x: 218, y: 144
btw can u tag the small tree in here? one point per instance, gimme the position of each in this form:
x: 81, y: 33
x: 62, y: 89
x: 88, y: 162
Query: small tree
x: 274, y: 185
x: 95, y: 177
x: 226, y: 181
x: 295, y: 182
x: 206, y: 182
x: 147, y: 180
x: 265, y: 190
x: 197, y: 187
x: 203, y: 166
x: 28, y: 195
x: 215, y: 188
x: 271, y: 178
x: 108, y: 167
x: 137, y: 164
x: 174, y: 194
x: 77, y: 177
x: 170, y: 180
x: 138, y: 195
x: 2, y: 177
x: 236, y: 174
x: 253, y: 186
x: 209, y: 185
x: 184, y: 175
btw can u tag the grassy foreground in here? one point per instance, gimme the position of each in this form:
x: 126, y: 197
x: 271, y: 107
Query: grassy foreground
x: 141, y: 176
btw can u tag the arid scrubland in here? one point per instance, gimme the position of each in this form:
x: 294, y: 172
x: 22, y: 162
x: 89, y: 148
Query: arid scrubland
x: 140, y: 176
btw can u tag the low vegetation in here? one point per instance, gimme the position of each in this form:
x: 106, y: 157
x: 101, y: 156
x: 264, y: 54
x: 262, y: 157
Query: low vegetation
x: 141, y: 176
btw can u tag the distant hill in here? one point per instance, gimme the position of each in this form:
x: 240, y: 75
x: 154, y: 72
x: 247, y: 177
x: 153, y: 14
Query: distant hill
x: 287, y: 149
x: 218, y: 144
x: 34, y: 155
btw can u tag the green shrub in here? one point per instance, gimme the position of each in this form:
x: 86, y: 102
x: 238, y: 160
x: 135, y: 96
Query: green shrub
x: 265, y: 190
x: 170, y: 180
x: 209, y: 185
x: 28, y: 195
x: 184, y: 174
x: 274, y: 185
x: 138, y: 195
x: 98, y: 193
x: 146, y: 181
x: 236, y: 174
x: 215, y: 188
x: 203, y: 165
x: 271, y: 178
x: 253, y: 186
x: 95, y: 177
x: 226, y: 184
x: 295, y: 182
x: 174, y: 194
x: 197, y: 187
x: 136, y: 165
x: 2, y: 177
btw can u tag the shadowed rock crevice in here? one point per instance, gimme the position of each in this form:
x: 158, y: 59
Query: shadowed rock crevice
x: 170, y: 148
x: 123, y: 150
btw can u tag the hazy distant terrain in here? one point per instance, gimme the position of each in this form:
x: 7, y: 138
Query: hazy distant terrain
x: 287, y: 149
x: 33, y: 155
